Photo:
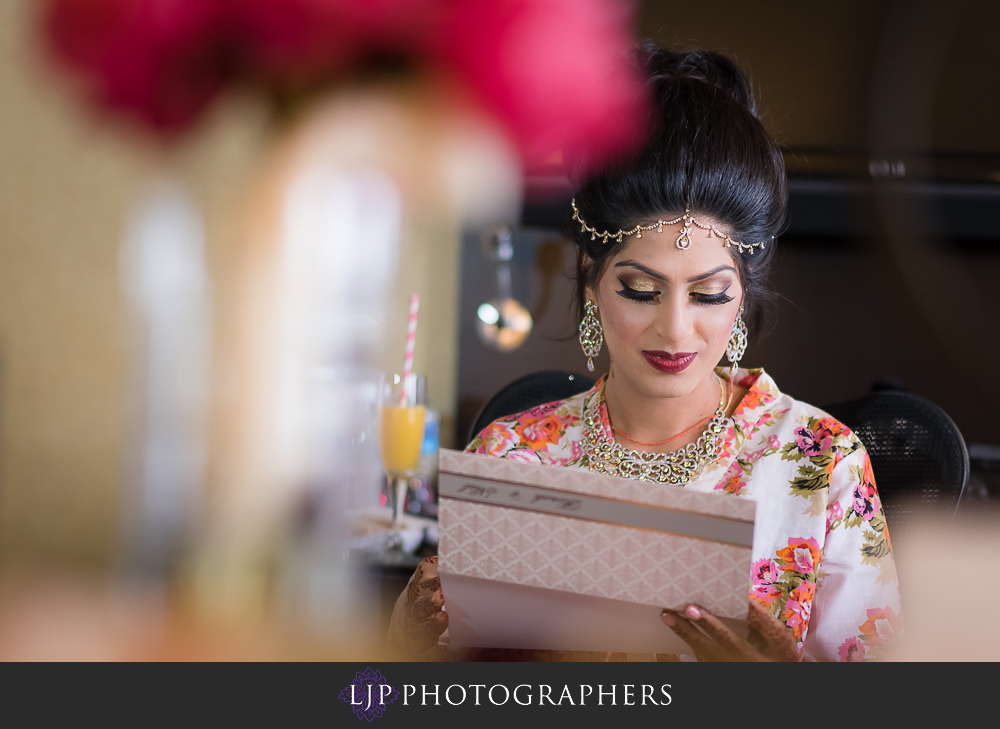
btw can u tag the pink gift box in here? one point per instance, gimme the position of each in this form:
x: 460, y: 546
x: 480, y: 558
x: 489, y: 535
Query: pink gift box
x: 539, y: 557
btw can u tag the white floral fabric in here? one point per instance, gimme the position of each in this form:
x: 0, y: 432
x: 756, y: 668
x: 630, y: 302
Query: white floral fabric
x: 822, y: 558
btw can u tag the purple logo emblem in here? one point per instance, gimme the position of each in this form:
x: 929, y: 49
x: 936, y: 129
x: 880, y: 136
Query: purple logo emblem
x: 369, y: 694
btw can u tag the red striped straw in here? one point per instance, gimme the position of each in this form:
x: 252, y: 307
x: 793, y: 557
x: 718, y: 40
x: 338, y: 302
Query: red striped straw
x: 411, y: 336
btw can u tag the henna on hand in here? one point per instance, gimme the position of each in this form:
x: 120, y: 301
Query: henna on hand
x: 712, y: 640
x: 765, y: 629
x: 424, y: 619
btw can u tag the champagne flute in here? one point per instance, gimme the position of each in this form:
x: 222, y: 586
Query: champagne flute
x: 401, y: 426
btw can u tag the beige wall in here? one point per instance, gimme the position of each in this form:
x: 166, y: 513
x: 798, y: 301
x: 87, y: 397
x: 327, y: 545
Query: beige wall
x: 66, y: 180
x: 67, y: 177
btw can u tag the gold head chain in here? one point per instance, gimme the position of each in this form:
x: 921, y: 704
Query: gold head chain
x: 683, y: 239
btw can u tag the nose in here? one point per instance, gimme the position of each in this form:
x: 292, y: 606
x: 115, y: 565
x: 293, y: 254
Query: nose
x: 674, y: 322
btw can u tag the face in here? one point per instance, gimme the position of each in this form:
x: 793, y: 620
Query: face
x: 667, y: 313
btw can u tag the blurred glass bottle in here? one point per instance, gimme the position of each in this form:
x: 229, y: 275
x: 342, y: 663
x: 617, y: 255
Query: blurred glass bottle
x: 421, y: 493
x: 422, y: 496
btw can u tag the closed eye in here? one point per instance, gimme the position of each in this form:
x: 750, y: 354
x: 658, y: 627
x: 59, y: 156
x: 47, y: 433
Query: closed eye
x: 712, y: 299
x: 644, y: 297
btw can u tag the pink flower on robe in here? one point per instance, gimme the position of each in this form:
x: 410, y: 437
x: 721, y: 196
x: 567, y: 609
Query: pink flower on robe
x: 801, y: 555
x: 812, y: 443
x: 852, y: 650
x: 833, y: 513
x: 764, y: 575
x: 798, y: 609
x: 880, y: 628
x: 733, y: 482
x: 866, y: 501
x: 765, y: 571
x: 523, y: 455
x: 498, y: 438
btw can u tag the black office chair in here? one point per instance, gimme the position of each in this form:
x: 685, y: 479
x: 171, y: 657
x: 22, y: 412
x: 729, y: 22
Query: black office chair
x: 527, y: 392
x: 918, y: 454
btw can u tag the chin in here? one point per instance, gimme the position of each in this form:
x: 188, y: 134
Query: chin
x: 664, y: 384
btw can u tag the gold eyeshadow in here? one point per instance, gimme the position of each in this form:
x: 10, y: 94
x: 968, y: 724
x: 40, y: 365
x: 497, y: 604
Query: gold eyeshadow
x: 710, y: 288
x: 640, y: 284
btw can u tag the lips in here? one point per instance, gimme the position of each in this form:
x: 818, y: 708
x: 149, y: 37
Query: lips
x: 666, y: 362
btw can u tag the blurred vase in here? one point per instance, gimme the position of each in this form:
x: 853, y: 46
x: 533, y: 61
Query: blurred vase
x: 359, y: 202
x: 168, y: 296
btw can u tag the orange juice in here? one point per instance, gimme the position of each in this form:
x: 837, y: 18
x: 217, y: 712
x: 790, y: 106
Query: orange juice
x: 402, y: 435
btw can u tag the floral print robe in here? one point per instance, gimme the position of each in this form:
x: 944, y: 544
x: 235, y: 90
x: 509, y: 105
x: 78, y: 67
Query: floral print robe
x: 822, y: 559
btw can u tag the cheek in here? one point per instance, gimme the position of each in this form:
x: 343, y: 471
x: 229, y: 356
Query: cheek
x: 717, y: 326
x: 624, y: 321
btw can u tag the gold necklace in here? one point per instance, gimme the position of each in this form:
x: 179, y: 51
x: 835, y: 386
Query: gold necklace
x: 605, y: 455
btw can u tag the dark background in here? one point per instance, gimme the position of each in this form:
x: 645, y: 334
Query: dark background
x: 888, y: 114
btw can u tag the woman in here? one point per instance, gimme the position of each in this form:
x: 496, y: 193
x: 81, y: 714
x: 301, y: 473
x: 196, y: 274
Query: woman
x: 674, y: 247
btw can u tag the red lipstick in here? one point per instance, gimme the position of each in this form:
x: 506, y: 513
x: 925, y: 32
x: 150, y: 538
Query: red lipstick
x: 670, y: 363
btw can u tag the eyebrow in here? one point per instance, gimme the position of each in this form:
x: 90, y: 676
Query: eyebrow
x: 657, y: 275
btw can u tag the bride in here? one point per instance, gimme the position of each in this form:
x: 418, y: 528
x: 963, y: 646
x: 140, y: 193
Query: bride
x: 674, y: 246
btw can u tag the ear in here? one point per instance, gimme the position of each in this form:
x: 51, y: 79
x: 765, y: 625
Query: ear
x: 590, y: 291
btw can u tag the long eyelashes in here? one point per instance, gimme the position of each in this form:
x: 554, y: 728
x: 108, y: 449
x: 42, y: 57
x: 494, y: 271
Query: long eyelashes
x: 713, y: 299
x: 645, y: 297
x: 649, y: 297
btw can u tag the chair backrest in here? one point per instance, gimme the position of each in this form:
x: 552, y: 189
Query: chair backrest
x: 918, y: 455
x: 527, y: 392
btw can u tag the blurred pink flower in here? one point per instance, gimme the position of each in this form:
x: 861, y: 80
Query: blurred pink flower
x: 164, y: 60
x: 554, y: 72
x: 307, y: 40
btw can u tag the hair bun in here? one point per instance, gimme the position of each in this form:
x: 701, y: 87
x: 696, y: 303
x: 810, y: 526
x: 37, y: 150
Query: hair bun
x: 666, y: 68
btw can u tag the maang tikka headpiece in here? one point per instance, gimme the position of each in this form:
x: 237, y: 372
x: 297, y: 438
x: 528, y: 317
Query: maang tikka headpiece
x: 683, y: 239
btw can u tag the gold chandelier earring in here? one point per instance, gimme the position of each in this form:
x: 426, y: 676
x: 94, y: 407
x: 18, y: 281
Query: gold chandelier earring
x: 737, y: 343
x: 591, y: 333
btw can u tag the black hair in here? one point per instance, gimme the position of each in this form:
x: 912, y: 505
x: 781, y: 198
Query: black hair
x: 706, y: 149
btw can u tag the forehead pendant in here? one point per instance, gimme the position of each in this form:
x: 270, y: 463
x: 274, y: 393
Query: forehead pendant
x: 683, y: 241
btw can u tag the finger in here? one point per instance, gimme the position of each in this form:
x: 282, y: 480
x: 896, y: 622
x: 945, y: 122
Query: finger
x: 430, y: 566
x: 426, y: 570
x: 426, y: 605
x: 424, y: 635
x: 737, y: 648
x: 430, y: 585
x: 423, y: 590
x: 703, y: 650
x: 780, y: 643
x: 413, y: 588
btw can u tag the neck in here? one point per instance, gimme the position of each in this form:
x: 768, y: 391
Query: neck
x: 655, y: 419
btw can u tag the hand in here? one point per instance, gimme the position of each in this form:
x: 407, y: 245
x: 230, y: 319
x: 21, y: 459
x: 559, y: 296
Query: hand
x: 423, y: 620
x: 769, y: 639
